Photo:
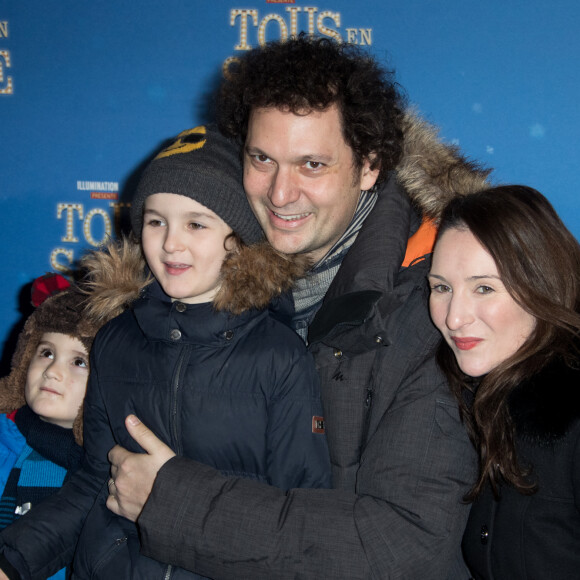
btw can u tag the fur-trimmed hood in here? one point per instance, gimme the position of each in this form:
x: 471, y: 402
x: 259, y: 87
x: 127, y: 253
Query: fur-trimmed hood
x: 544, y: 407
x: 433, y: 172
x: 251, y: 277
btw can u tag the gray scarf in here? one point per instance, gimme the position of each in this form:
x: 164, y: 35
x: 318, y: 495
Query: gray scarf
x: 309, y: 292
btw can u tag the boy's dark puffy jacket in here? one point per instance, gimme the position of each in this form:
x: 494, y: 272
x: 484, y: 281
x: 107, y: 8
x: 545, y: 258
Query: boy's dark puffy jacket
x: 236, y: 392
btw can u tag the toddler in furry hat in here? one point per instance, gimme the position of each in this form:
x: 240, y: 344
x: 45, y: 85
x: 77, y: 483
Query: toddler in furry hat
x: 41, y: 399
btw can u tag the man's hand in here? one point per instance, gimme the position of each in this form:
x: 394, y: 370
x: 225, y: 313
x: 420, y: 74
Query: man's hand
x: 133, y: 474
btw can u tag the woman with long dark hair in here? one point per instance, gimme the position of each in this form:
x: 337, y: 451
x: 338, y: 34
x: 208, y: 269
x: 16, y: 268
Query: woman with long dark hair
x: 505, y: 294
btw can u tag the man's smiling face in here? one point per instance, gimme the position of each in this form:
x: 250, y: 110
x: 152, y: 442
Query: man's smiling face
x: 300, y: 179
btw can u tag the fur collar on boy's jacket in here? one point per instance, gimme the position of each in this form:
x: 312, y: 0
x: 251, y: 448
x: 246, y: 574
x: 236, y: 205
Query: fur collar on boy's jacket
x: 251, y: 277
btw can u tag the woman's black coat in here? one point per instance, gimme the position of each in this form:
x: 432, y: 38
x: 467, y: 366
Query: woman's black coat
x: 535, y: 536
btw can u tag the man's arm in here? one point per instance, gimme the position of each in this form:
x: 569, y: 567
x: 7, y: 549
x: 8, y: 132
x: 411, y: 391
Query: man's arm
x: 303, y: 533
x: 406, y: 521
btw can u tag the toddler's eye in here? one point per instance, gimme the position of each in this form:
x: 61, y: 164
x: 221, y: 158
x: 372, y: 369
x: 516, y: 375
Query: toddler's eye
x: 81, y: 362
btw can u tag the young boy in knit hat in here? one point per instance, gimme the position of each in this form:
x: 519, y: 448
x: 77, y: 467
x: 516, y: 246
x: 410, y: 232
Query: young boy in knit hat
x: 41, y: 399
x: 198, y: 356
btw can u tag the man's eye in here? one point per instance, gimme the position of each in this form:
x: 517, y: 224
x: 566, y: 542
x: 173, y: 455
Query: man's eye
x: 260, y: 158
x: 313, y: 164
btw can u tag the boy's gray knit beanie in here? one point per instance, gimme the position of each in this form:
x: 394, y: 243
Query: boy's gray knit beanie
x: 204, y: 165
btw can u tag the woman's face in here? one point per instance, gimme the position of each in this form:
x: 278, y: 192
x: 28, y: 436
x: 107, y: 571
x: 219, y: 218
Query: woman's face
x: 471, y: 307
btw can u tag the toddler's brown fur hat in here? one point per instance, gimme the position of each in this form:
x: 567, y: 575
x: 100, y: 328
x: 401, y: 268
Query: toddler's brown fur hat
x: 63, y: 313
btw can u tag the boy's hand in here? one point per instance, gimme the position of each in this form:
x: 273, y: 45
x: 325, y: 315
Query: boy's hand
x: 133, y: 474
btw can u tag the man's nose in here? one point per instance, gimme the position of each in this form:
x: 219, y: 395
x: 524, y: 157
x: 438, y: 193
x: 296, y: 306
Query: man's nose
x: 284, y: 188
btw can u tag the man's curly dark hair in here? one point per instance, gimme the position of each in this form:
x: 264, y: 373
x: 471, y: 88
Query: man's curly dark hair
x: 306, y: 74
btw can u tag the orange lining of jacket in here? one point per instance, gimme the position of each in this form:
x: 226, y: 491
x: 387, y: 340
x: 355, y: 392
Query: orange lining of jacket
x: 421, y: 242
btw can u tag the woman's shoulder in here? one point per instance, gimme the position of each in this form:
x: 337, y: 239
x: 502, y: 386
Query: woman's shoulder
x: 546, y: 407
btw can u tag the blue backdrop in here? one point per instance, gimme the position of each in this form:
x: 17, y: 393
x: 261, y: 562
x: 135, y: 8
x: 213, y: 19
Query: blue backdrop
x: 89, y: 91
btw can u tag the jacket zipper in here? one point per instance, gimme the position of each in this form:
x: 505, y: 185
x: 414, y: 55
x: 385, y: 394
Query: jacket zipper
x: 368, y: 410
x: 176, y: 387
x: 168, y: 572
x: 370, y: 393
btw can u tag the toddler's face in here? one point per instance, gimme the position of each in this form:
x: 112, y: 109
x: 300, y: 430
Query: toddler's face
x: 57, y: 378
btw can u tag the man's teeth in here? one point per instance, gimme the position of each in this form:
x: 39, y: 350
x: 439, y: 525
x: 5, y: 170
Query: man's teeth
x: 289, y: 218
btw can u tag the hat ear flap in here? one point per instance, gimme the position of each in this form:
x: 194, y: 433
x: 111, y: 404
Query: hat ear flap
x: 78, y: 425
x: 12, y: 387
x: 10, y: 398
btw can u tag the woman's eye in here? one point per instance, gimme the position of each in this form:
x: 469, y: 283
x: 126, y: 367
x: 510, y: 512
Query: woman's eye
x: 155, y: 223
x: 484, y: 289
x: 440, y: 288
x: 196, y: 226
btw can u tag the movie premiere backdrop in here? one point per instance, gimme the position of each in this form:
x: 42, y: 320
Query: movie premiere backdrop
x: 89, y: 91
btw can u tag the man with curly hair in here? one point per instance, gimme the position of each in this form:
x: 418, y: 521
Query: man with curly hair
x: 336, y: 168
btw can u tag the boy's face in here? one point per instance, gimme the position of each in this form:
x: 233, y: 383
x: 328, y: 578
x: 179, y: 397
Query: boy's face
x: 184, y: 245
x: 57, y: 379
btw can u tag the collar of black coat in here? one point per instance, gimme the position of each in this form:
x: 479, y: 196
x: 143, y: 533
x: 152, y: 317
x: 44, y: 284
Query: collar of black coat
x: 369, y: 274
x: 165, y: 320
x: 544, y: 407
x: 343, y: 313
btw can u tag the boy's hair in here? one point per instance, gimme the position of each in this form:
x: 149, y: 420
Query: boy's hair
x: 61, y: 313
x: 306, y: 74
